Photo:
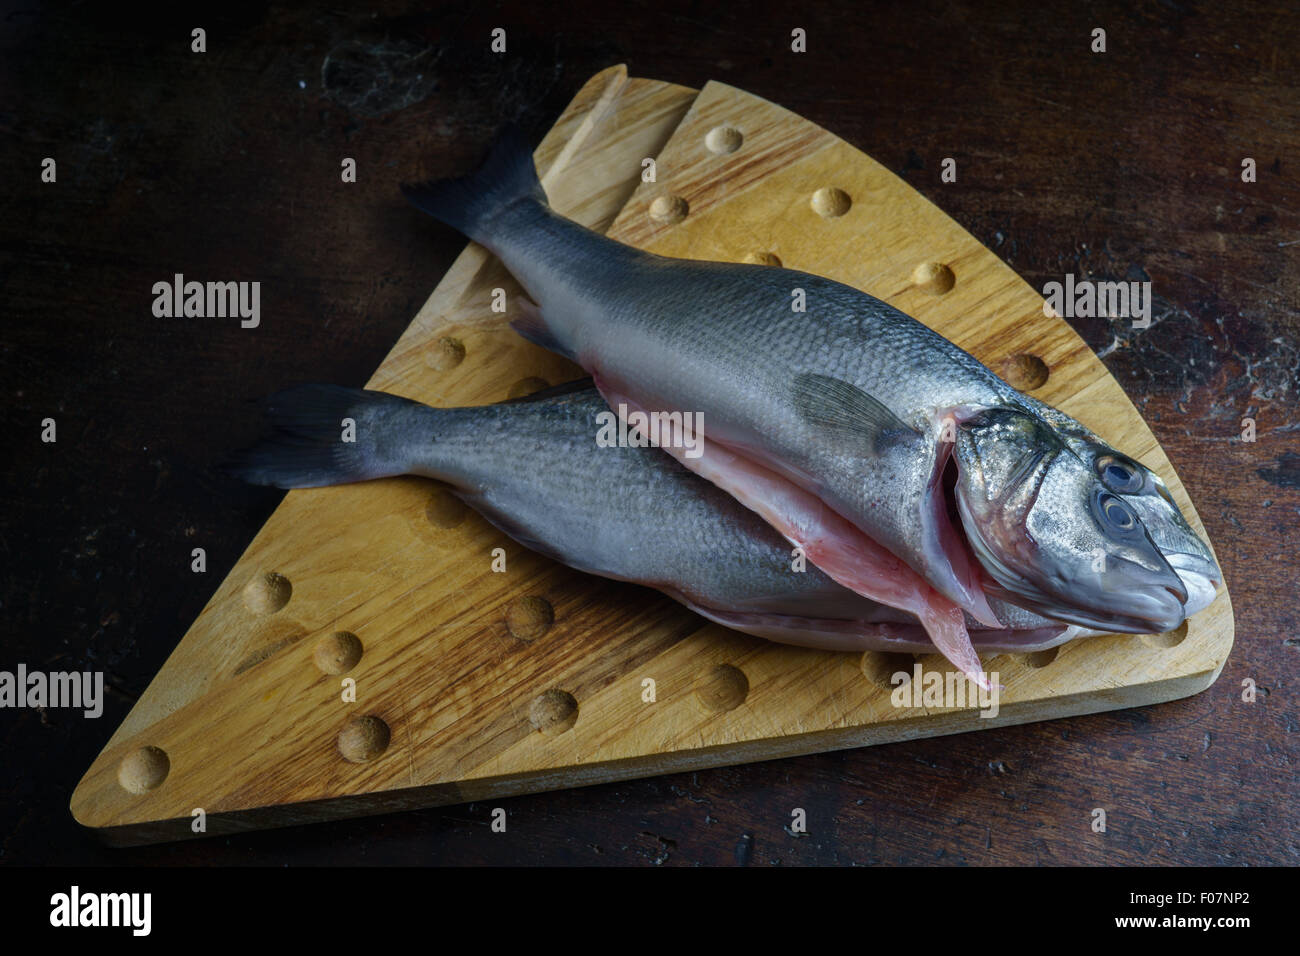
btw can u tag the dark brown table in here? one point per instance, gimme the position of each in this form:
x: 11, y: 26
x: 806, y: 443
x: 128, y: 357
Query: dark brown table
x: 225, y: 165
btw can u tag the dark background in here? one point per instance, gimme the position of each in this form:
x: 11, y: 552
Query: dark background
x: 225, y: 165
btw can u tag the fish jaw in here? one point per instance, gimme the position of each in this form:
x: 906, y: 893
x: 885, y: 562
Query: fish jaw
x: 828, y: 540
x: 1200, y: 577
x: 856, y: 636
x: 1189, y: 556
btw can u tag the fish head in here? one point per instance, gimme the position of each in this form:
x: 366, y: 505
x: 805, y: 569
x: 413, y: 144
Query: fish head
x: 1146, y: 492
x: 1052, y: 535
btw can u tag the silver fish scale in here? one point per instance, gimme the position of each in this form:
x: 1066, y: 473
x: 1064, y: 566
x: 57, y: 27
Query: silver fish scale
x: 712, y: 549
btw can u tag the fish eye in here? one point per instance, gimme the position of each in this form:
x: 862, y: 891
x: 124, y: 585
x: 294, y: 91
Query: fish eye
x: 1119, y: 476
x: 1117, y: 513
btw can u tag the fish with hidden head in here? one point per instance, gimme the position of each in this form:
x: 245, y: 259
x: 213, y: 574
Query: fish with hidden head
x: 534, y: 469
x: 835, y: 424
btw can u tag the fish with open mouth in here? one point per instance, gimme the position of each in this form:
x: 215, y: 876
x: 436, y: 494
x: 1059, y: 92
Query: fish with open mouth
x: 861, y: 435
x: 534, y: 469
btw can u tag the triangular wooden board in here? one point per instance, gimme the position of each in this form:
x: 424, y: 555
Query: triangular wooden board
x: 473, y: 685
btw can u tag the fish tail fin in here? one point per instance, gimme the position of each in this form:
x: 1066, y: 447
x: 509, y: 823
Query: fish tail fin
x: 330, y: 435
x: 469, y: 203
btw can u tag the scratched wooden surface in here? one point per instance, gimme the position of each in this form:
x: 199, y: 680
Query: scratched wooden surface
x: 1114, y: 166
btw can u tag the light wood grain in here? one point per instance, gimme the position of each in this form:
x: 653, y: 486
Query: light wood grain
x: 250, y: 723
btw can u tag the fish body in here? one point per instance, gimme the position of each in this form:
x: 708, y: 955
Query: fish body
x: 535, y: 470
x: 856, y: 431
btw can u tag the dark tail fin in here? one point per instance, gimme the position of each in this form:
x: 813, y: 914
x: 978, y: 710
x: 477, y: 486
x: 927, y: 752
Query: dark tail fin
x: 330, y: 435
x: 470, y: 202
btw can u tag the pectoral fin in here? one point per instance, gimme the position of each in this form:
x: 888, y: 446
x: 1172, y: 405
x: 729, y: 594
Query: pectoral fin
x: 531, y: 324
x: 841, y: 406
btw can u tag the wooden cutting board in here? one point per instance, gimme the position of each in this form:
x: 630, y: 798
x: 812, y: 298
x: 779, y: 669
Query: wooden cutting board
x: 363, y: 656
